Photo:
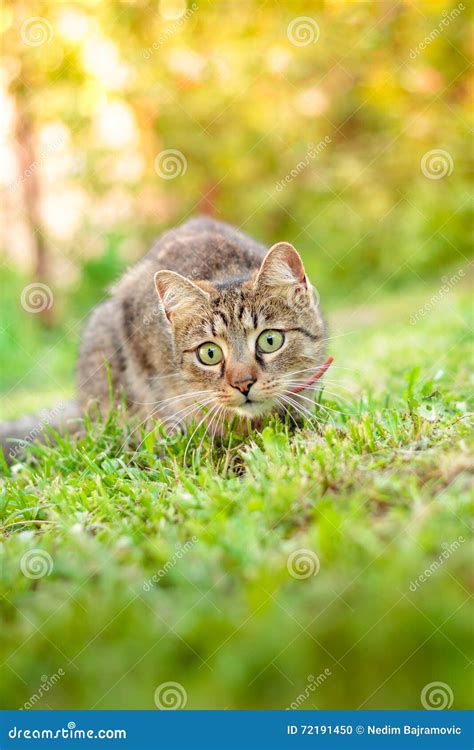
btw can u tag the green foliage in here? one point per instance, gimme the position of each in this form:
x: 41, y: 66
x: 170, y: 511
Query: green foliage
x: 171, y: 562
x: 243, y: 105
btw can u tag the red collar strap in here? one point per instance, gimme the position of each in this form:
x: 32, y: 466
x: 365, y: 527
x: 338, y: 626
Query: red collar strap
x: 318, y: 374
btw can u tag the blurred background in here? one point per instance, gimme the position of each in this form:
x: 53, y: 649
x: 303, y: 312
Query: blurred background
x: 339, y: 126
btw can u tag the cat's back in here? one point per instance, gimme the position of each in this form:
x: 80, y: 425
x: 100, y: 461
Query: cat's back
x: 204, y: 248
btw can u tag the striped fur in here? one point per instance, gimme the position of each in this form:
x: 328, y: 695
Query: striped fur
x: 204, y: 281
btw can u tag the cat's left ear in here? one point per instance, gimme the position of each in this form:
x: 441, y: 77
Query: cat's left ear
x: 179, y: 295
x: 283, y: 270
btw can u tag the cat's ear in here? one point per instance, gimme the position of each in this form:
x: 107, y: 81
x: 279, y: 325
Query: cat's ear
x: 282, y: 269
x: 178, y: 294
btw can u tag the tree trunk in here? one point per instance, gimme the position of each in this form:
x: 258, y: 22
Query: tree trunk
x: 30, y: 181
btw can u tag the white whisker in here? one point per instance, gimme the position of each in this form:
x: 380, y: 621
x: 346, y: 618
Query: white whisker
x: 194, y: 432
x: 300, y: 409
x: 319, y: 405
x: 189, y: 394
x: 319, y: 387
x: 279, y: 401
x: 217, y: 415
x: 190, y: 409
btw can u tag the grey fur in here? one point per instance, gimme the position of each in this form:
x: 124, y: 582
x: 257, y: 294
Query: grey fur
x: 139, y: 344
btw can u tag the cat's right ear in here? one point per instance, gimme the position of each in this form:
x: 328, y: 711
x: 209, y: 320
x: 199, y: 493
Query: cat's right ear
x: 282, y: 270
x: 179, y: 295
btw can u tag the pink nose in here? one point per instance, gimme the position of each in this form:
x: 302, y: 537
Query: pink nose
x: 244, y: 385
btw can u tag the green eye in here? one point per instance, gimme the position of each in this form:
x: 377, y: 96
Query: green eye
x: 209, y: 354
x: 270, y: 341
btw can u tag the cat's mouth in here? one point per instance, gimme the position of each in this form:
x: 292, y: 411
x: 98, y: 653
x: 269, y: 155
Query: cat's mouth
x: 252, y: 408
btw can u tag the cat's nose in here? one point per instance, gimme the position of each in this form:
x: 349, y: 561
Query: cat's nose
x: 244, y: 385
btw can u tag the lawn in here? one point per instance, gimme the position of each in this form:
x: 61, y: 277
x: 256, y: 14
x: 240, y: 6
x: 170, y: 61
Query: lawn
x: 325, y: 566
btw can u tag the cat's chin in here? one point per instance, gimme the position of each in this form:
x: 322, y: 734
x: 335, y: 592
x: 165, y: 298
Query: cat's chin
x: 253, y: 409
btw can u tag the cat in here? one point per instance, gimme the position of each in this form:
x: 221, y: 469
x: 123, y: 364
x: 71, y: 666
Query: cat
x: 209, y: 325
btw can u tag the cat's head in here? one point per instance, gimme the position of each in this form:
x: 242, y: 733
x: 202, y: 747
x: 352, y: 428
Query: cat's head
x: 246, y: 342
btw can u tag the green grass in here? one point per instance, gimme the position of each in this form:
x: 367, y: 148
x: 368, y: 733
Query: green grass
x: 378, y: 492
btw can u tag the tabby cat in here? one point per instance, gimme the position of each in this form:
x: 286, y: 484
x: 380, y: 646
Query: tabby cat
x: 207, y: 326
